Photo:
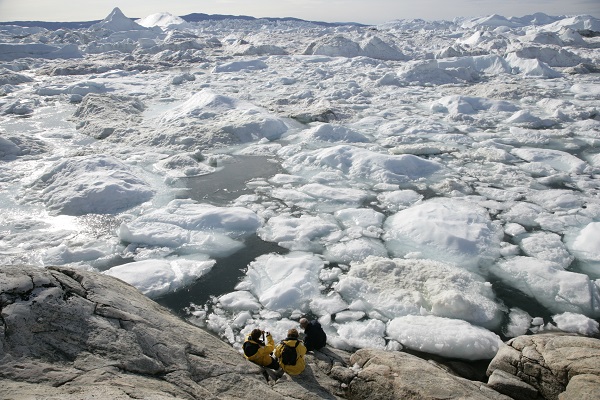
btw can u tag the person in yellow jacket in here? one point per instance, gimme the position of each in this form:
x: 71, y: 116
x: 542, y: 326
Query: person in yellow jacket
x: 256, y: 351
x: 288, y: 346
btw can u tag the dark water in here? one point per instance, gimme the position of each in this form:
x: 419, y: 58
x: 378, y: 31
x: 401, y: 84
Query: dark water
x: 225, y: 185
x: 220, y: 188
x: 222, y: 278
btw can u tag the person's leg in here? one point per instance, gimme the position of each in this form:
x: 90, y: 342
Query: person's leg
x: 319, y: 345
x: 309, y: 345
x: 274, y: 364
x: 275, y: 376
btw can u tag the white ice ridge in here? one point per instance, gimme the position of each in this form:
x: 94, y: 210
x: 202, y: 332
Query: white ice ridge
x: 116, y: 21
x: 163, y: 20
x: 341, y: 46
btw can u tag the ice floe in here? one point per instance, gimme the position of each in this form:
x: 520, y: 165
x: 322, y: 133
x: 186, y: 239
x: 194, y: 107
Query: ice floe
x: 554, y: 288
x: 447, y: 230
x: 443, y: 336
x: 158, y: 277
x: 90, y: 184
x: 390, y: 288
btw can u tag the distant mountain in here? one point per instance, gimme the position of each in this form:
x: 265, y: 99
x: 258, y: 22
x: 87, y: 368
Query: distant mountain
x: 198, y: 17
x: 195, y: 17
x: 52, y: 26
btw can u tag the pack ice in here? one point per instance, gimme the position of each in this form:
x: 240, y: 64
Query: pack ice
x: 427, y: 184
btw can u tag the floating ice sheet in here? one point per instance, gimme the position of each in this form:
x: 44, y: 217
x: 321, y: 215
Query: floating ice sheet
x: 546, y: 282
x: 157, y: 277
x: 284, y: 283
x: 450, y: 230
x: 394, y: 288
x: 445, y: 337
x: 91, y: 184
x: 576, y: 323
x: 192, y: 227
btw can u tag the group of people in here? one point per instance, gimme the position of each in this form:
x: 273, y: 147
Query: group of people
x: 289, y: 353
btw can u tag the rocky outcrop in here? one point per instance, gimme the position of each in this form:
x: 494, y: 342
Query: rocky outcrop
x: 397, y: 375
x: 74, y: 333
x: 559, y: 366
x: 512, y: 386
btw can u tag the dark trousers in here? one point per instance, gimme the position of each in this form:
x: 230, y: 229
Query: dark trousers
x: 274, y: 364
x: 311, y: 345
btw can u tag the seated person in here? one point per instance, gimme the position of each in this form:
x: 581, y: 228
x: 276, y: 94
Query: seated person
x: 314, y: 335
x: 290, y: 353
x: 256, y: 351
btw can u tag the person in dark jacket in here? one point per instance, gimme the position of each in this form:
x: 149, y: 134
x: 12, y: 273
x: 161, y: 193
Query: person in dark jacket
x: 314, y: 336
x: 256, y: 351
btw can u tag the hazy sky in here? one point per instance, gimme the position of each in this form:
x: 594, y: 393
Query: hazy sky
x: 365, y: 11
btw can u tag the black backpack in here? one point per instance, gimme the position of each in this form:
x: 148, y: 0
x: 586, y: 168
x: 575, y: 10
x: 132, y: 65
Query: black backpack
x: 288, y: 355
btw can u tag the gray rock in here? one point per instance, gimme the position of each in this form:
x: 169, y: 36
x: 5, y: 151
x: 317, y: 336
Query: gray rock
x: 582, y: 387
x: 68, y: 333
x: 396, y: 375
x: 322, y: 378
x: 548, y: 362
x: 510, y: 385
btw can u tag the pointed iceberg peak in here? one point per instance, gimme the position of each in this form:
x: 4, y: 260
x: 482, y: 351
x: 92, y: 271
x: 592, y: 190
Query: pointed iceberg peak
x: 115, y: 13
x: 118, y: 22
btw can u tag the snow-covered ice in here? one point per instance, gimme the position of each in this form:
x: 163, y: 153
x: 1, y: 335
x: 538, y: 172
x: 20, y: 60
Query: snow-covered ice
x: 91, y: 185
x: 157, y: 277
x: 284, y: 283
x: 576, y: 323
x: 446, y: 337
x: 446, y: 230
x: 426, y: 184
x: 393, y: 288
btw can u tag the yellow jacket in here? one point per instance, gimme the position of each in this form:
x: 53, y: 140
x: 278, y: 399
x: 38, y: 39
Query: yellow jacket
x: 300, y: 352
x: 257, y: 352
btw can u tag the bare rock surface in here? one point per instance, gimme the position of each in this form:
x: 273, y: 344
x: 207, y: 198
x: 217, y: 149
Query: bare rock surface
x: 582, y: 387
x: 511, y: 386
x: 397, y: 375
x: 71, y: 334
x: 559, y: 366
